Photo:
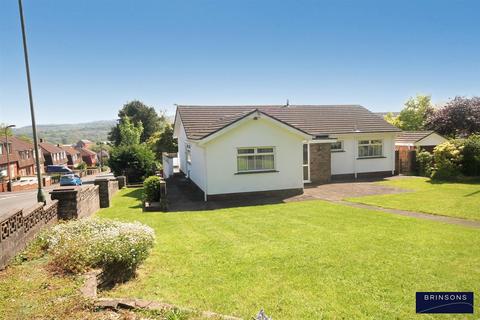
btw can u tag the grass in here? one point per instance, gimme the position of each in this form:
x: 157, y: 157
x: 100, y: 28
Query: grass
x: 304, y: 260
x: 455, y: 199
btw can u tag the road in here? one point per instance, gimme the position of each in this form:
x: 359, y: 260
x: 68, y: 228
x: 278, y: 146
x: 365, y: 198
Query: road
x: 25, y: 199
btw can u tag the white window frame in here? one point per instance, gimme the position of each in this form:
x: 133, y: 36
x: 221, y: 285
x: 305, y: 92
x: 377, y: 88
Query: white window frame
x: 341, y: 146
x: 254, y: 154
x: 1, y: 148
x: 306, y: 164
x: 369, y: 144
x: 188, y: 153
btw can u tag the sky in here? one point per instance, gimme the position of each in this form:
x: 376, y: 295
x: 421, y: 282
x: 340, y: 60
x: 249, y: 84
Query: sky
x: 90, y: 57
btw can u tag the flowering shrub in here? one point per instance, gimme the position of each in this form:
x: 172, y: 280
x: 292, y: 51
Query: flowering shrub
x: 117, y: 248
x: 448, y: 159
x: 424, y: 163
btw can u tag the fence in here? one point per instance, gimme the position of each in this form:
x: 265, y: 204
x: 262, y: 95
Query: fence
x: 20, y: 226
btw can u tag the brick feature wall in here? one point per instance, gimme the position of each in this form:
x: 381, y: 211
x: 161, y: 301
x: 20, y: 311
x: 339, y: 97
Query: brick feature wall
x: 320, y: 163
x: 20, y: 226
x: 77, y: 202
x: 107, y: 188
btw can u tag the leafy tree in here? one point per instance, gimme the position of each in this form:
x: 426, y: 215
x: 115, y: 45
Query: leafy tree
x: 138, y: 112
x: 414, y: 116
x: 129, y: 132
x: 163, y: 141
x: 2, y: 130
x: 25, y: 138
x: 460, y: 117
x: 471, y: 156
x: 390, y: 118
x: 135, y: 161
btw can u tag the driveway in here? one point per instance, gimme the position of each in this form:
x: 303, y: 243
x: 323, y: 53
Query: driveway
x: 341, y: 190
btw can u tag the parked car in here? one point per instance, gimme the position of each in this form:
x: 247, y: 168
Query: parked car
x: 70, y: 180
x: 58, y: 169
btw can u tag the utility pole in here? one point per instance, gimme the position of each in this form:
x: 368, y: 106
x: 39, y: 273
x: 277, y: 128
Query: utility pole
x: 40, y: 195
x: 8, y: 158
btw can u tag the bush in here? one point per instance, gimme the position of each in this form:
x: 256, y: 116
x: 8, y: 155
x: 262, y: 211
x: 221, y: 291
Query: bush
x: 424, y: 163
x: 136, y: 162
x: 448, y: 160
x: 115, y: 247
x: 82, y: 166
x: 151, y: 189
x: 471, y: 156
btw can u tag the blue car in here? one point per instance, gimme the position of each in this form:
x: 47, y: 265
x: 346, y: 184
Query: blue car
x: 70, y: 180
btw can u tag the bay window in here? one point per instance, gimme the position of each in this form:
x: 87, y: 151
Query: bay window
x: 255, y: 159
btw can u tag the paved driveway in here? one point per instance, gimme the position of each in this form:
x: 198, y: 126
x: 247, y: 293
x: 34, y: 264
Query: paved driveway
x: 342, y: 190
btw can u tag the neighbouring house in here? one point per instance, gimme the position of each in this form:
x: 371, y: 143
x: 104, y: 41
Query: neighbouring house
x: 84, y: 143
x: 22, y: 157
x: 408, y: 143
x: 88, y: 156
x: 53, y: 154
x: 73, y: 156
x: 272, y: 149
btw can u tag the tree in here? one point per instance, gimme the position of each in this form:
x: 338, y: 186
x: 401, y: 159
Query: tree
x: 2, y: 130
x: 163, y: 141
x: 415, y: 114
x: 129, y: 133
x: 136, y: 162
x: 392, y: 119
x: 460, y: 117
x: 138, y: 112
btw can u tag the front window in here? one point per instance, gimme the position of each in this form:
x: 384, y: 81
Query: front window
x: 336, y: 146
x: 370, y: 148
x: 255, y: 159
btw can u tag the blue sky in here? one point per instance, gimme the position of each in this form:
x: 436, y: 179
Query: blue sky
x: 90, y: 57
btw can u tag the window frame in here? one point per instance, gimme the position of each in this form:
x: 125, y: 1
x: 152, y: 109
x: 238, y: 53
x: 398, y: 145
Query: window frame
x: 370, y: 144
x: 188, y: 153
x: 341, y: 146
x: 255, y: 154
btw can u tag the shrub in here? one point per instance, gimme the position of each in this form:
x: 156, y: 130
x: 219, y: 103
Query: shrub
x: 151, y: 189
x: 117, y: 248
x: 136, y: 162
x: 82, y: 166
x: 471, y: 156
x: 448, y: 159
x: 424, y: 163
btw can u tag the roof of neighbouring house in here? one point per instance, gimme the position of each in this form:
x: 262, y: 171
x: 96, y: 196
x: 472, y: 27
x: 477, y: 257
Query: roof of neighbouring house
x: 50, y: 147
x: 70, y: 150
x: 85, y: 152
x: 412, y: 136
x: 316, y: 120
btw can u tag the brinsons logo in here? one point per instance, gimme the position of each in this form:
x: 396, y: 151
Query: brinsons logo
x: 444, y: 302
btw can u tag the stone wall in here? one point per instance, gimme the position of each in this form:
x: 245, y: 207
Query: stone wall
x: 107, y: 188
x: 20, y: 226
x: 77, y: 202
x: 122, y: 182
x: 320, y: 163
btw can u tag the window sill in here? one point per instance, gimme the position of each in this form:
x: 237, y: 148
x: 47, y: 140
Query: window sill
x: 260, y: 171
x: 366, y: 158
x: 334, y: 151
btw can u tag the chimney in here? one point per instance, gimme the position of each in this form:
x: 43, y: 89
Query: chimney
x: 41, y: 140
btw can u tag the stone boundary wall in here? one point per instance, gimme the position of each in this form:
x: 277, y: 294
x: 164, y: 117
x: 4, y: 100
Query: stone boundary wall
x: 77, y: 202
x: 107, y: 188
x: 20, y: 226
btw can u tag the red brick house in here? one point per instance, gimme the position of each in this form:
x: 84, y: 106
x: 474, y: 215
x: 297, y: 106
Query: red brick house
x: 84, y: 143
x: 53, y: 154
x: 22, y: 157
x: 88, y: 156
x: 74, y: 157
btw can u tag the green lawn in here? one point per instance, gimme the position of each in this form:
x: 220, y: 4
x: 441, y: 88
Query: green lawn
x: 304, y: 260
x: 461, y: 200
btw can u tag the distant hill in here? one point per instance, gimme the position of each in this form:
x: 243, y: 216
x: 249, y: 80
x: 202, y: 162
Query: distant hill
x: 70, y: 133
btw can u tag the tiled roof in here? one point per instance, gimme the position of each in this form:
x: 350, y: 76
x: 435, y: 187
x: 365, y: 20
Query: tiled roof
x: 70, y: 150
x: 50, y: 148
x: 316, y: 120
x: 17, y: 145
x: 411, y: 136
x: 85, y: 152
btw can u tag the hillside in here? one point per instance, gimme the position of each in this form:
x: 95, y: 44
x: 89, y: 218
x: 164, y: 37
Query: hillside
x: 70, y: 133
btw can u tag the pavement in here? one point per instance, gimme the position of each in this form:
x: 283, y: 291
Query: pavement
x: 10, y: 201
